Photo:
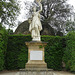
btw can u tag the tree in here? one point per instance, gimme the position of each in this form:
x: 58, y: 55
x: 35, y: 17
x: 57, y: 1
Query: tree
x: 70, y: 25
x: 9, y: 10
x: 56, y: 13
x: 29, y: 8
x: 0, y: 26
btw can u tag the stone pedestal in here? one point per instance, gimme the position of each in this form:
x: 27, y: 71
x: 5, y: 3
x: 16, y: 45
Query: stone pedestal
x: 36, y: 72
x: 36, y: 55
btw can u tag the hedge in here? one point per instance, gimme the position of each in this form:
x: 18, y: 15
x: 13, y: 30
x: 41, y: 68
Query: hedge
x: 54, y: 53
x: 14, y: 52
x: 3, y: 47
x: 69, y: 53
x: 17, y: 51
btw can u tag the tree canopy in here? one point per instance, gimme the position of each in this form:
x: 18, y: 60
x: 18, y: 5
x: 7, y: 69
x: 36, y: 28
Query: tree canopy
x: 9, y: 9
x: 57, y: 13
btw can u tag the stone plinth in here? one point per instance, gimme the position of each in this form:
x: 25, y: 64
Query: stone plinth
x: 36, y: 55
x: 36, y: 72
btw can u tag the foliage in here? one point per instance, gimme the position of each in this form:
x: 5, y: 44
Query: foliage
x: 70, y: 26
x: 17, y: 56
x: 54, y: 52
x: 69, y: 53
x: 0, y: 26
x: 10, y: 31
x: 3, y: 47
x: 8, y: 11
x: 56, y: 13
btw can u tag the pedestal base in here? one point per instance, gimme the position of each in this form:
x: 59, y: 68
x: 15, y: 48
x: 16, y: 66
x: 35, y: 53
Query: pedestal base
x: 36, y: 72
x: 36, y: 55
x: 39, y: 65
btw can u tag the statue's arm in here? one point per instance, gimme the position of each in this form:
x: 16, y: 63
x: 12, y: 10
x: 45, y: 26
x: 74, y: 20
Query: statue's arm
x: 40, y: 7
x: 30, y: 19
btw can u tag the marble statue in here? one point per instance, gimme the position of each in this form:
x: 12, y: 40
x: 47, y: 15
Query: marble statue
x: 35, y: 24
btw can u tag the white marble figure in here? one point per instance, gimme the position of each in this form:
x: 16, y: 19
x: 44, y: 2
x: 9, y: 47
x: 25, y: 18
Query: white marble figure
x: 35, y: 25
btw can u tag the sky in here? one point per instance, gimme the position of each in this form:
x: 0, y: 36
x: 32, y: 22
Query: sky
x: 22, y: 17
x: 72, y: 2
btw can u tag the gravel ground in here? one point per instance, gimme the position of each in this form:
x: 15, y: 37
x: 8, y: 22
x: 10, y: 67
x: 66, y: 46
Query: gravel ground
x: 17, y: 73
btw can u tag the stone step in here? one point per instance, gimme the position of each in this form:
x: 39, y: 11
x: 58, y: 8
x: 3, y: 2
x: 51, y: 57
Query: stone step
x: 36, y: 72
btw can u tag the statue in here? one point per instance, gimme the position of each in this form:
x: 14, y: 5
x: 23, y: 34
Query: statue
x: 35, y: 25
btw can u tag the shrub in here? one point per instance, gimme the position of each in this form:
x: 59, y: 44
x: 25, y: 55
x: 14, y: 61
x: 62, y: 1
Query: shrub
x: 54, y: 52
x: 69, y: 53
x: 3, y: 46
x: 17, y: 51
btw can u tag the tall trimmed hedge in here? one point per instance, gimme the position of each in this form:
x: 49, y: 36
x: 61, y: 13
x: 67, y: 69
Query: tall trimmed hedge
x: 54, y: 52
x: 17, y: 51
x: 69, y: 53
x: 3, y: 47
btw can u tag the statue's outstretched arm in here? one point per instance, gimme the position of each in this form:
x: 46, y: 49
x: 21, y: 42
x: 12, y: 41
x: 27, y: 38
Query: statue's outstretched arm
x: 40, y: 7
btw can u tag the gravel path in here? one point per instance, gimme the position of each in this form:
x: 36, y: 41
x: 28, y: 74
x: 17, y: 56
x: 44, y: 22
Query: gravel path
x: 63, y: 73
x: 17, y: 73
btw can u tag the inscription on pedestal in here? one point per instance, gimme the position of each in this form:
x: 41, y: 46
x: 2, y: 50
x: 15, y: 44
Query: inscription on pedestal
x: 36, y: 55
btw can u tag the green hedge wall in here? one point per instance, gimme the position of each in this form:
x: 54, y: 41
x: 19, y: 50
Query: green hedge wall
x: 17, y: 51
x: 69, y: 53
x: 54, y: 53
x: 3, y: 47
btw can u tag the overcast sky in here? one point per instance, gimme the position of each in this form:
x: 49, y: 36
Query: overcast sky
x: 72, y: 2
x: 23, y: 13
